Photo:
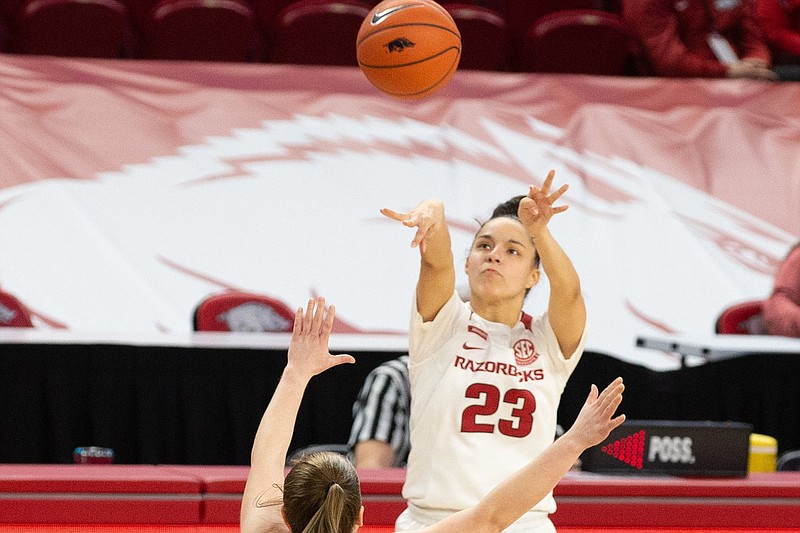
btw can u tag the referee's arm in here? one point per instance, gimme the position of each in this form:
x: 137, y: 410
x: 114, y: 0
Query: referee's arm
x: 373, y: 454
x: 380, y: 419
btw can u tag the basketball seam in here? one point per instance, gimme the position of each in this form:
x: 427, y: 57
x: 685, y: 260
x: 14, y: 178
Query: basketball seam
x: 426, y: 89
x: 413, y: 62
x: 417, y: 24
x: 438, y: 7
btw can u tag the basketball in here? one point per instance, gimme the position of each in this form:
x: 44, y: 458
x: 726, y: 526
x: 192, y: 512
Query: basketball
x: 408, y: 48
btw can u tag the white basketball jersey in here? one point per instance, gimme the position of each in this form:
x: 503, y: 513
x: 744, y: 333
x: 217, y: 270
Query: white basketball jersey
x: 484, y: 398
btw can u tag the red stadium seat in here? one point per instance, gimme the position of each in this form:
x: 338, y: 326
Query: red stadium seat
x: 742, y: 319
x: 5, y: 36
x: 612, y: 6
x: 578, y: 42
x: 318, y: 32
x: 138, y: 10
x: 242, y: 311
x: 7, y: 8
x: 202, y: 30
x: 521, y: 13
x: 267, y: 11
x: 485, y: 38
x: 72, y: 28
x: 12, y: 313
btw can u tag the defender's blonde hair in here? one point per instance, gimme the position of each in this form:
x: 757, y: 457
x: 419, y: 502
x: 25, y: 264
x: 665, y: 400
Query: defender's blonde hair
x: 321, y: 494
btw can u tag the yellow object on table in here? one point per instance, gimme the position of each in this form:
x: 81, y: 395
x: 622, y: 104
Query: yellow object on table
x: 763, y: 453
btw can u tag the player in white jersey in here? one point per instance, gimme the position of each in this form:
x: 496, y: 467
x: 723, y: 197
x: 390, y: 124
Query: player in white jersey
x: 322, y: 494
x: 486, y: 378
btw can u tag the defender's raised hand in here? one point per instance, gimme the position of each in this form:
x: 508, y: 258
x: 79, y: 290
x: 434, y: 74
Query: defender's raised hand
x: 308, y: 349
x: 308, y: 356
x: 595, y: 421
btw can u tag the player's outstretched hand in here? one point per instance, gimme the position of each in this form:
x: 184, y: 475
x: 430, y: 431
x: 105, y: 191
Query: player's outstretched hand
x: 427, y: 217
x: 308, y: 349
x: 596, y: 419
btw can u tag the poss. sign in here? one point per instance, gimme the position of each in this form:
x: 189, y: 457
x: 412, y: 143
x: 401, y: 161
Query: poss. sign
x: 713, y: 449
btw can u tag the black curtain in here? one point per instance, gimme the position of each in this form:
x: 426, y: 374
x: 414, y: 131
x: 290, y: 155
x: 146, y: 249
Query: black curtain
x: 158, y: 405
x: 167, y: 405
x: 759, y: 389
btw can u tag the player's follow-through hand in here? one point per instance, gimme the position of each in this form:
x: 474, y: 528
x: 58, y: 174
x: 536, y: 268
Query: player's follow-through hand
x: 427, y: 217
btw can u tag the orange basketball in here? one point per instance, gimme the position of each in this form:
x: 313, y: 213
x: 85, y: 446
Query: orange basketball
x: 408, y: 48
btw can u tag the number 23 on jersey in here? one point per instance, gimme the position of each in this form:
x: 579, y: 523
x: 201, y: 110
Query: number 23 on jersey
x: 489, y: 397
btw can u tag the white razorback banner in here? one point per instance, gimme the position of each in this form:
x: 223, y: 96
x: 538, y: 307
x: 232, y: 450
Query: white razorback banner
x: 130, y: 190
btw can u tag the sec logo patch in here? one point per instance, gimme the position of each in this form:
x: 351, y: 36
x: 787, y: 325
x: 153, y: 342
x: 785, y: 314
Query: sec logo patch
x: 525, y: 352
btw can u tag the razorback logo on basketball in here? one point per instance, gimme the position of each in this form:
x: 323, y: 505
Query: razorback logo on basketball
x: 525, y: 352
x: 399, y: 44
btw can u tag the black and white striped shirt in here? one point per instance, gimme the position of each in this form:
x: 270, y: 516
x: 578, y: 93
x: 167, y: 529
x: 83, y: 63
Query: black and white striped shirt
x: 381, y: 410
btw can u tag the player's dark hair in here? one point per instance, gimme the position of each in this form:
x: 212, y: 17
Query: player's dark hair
x: 509, y: 209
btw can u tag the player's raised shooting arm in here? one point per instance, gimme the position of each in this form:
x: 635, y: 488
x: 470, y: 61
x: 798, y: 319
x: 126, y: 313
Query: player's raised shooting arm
x: 566, y: 307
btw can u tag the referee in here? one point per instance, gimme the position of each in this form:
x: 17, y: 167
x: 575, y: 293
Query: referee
x: 379, y: 436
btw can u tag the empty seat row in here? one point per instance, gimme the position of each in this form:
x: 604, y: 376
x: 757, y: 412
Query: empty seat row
x: 214, y: 30
x: 523, y: 12
x: 591, y: 41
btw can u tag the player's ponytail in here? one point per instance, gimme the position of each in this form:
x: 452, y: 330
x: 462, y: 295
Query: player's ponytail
x: 329, y: 516
x: 321, y: 494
